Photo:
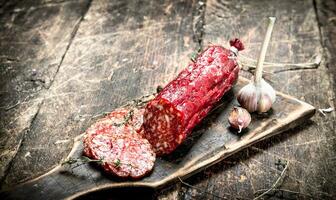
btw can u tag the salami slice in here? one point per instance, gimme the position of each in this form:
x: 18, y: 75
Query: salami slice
x: 114, y: 140
x: 186, y: 100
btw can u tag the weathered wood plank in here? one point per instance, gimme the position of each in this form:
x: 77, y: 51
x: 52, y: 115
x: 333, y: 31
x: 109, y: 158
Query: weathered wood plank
x: 326, y: 15
x: 310, y: 147
x: 155, y: 38
x: 34, y: 37
x: 120, y: 52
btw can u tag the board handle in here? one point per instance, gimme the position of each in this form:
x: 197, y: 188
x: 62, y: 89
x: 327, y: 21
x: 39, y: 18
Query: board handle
x: 60, y: 182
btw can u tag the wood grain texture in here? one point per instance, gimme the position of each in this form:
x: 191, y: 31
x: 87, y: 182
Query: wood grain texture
x: 118, y: 53
x: 209, y: 143
x: 310, y: 148
x: 326, y: 16
x: 34, y: 38
x: 124, y: 49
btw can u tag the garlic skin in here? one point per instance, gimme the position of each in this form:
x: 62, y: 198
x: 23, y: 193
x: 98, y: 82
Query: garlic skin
x: 239, y: 118
x: 248, y: 97
x: 267, y: 89
x: 257, y: 97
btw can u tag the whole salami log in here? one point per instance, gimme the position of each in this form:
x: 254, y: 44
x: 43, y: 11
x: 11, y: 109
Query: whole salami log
x: 186, y: 100
x: 114, y: 140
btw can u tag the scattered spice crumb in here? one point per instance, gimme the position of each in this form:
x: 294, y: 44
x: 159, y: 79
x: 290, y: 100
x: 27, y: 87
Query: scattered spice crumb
x: 159, y: 89
x: 27, y: 154
x: 110, y: 76
x: 323, y: 111
x: 62, y: 141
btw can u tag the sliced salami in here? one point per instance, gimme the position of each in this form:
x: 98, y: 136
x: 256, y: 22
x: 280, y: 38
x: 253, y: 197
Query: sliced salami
x: 186, y: 100
x: 114, y: 140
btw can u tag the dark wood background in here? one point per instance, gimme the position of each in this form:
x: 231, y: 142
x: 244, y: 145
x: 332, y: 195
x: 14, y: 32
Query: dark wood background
x: 64, y: 62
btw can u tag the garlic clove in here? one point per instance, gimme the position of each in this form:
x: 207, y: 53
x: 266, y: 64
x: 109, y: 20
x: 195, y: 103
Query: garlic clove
x: 239, y: 118
x: 264, y: 103
x: 248, y: 97
x: 268, y: 89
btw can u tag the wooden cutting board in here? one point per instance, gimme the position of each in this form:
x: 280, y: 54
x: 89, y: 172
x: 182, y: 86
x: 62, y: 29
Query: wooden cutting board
x: 210, y: 142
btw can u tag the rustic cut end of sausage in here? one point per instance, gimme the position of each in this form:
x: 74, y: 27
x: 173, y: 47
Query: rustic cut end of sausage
x: 123, y: 151
x: 184, y: 102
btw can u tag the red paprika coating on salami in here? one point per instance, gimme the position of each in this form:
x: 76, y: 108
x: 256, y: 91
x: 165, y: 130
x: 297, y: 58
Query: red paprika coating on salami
x: 123, y: 151
x: 186, y: 100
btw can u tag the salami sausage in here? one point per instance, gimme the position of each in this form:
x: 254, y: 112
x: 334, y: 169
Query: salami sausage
x: 115, y: 141
x: 186, y: 100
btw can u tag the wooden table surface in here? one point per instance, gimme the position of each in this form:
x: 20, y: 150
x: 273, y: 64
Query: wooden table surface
x: 64, y: 62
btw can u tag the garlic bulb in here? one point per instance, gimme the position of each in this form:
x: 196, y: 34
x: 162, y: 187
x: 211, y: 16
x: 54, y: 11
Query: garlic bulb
x: 254, y: 97
x: 259, y: 95
x: 239, y: 118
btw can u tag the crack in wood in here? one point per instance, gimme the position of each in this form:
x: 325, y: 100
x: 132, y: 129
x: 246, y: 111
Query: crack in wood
x: 21, y: 142
x: 318, y: 22
x: 199, y: 18
x: 26, y: 131
x: 72, y: 37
